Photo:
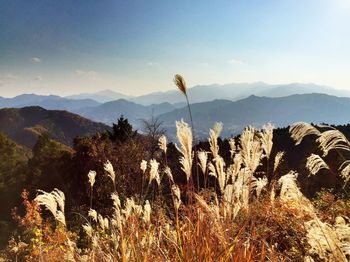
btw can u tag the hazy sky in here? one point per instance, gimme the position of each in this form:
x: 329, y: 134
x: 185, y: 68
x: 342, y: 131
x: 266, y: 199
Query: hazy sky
x: 136, y: 46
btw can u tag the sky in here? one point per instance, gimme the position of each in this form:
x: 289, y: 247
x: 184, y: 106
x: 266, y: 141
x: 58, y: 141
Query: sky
x: 136, y: 46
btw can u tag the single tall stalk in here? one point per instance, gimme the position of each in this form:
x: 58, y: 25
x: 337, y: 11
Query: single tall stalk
x: 181, y: 84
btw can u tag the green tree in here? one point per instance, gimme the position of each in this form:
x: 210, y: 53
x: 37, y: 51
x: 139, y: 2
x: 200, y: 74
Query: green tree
x: 122, y: 131
x: 48, y: 164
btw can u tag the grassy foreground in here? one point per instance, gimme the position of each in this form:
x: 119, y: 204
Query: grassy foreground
x: 248, y: 215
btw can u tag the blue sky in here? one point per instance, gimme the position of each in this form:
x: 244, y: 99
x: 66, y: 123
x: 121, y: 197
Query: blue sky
x: 136, y: 46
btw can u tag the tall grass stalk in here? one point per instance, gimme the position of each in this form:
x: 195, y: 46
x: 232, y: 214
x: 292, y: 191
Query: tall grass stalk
x: 181, y: 84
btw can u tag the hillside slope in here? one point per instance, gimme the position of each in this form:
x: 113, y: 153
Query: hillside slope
x: 23, y: 125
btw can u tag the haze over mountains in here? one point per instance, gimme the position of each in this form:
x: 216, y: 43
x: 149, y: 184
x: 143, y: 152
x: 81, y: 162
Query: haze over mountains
x: 257, y: 111
x: 236, y: 105
x: 101, y: 96
x: 204, y: 93
x: 48, y: 102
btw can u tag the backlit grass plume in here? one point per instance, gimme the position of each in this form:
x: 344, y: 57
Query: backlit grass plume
x: 345, y: 171
x: 232, y: 144
x: 154, y: 172
x: 266, y: 139
x: 278, y: 159
x: 251, y: 150
x: 162, y: 143
x: 214, y: 134
x: 109, y: 170
x: 301, y: 129
x: 218, y: 171
x: 333, y: 139
x: 91, y: 177
x: 203, y: 160
x: 184, y: 135
x: 143, y: 166
x: 315, y: 163
x: 54, y: 202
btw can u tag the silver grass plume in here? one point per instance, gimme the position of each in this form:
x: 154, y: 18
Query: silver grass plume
x: 267, y: 139
x: 129, y: 207
x: 59, y: 197
x: 168, y: 173
x: 154, y: 172
x: 88, y: 229
x: 232, y: 144
x: 345, y: 172
x: 343, y: 232
x: 290, y: 193
x: 315, y: 163
x: 323, y: 240
x: 260, y: 184
x: 162, y: 143
x: 214, y: 134
x: 110, y: 170
x: 93, y: 214
x: 278, y: 159
x: 218, y: 170
x: 301, y: 129
x: 237, y: 164
x: 147, y: 212
x: 176, y: 196
x: 51, y: 201
x: 116, y: 200
x: 143, y: 166
x: 101, y: 221
x: 333, y: 139
x: 48, y: 200
x: 181, y: 84
x: 251, y: 151
x: 203, y: 160
x: 245, y: 196
x: 212, y: 209
x: 184, y: 135
x: 231, y: 207
x: 289, y: 187
x: 106, y: 223
x: 91, y: 177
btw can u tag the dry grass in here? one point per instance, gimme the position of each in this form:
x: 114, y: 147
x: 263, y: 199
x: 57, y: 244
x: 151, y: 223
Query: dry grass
x: 242, y: 221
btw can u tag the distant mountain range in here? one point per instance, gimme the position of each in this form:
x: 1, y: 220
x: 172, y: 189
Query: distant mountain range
x: 48, y: 102
x: 101, y: 96
x: 197, y: 94
x: 257, y: 111
x: 204, y: 93
x: 25, y: 124
x: 233, y: 104
x: 109, y: 112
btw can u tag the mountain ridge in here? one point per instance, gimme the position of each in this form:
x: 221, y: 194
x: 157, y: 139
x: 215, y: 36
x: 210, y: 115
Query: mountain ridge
x: 257, y: 111
x: 23, y: 125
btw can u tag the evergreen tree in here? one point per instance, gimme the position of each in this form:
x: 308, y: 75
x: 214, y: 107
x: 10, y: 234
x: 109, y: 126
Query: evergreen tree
x: 122, y: 131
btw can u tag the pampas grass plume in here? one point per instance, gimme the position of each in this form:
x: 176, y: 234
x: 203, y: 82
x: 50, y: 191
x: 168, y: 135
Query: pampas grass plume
x: 92, y: 176
x: 180, y: 83
x: 184, y: 135
x: 162, y: 143
x: 315, y: 163
x: 143, y: 166
x: 301, y: 129
x: 110, y: 170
